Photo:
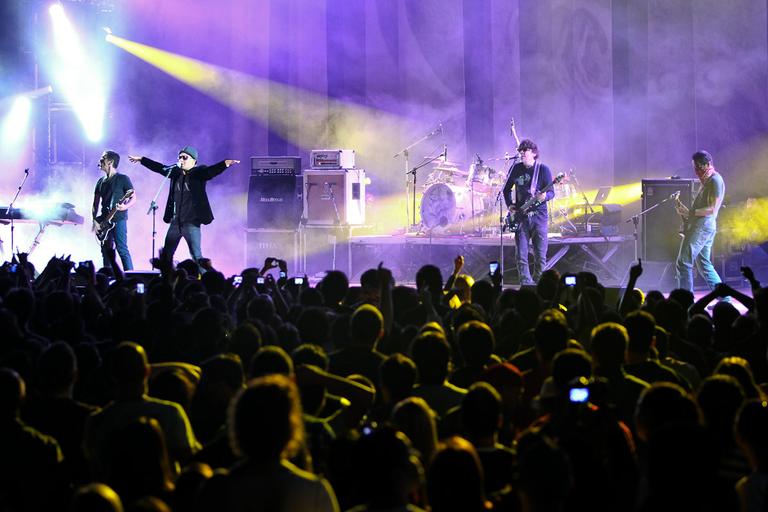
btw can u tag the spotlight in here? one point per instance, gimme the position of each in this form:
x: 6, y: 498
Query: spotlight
x: 16, y: 123
x: 77, y: 75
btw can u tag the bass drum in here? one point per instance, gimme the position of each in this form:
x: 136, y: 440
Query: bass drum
x: 447, y: 206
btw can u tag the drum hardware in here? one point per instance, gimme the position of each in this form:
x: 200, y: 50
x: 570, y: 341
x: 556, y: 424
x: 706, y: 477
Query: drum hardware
x: 438, y: 130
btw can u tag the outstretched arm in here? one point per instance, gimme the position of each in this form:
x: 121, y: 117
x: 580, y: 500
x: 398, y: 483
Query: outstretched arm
x: 149, y: 164
x: 214, y: 170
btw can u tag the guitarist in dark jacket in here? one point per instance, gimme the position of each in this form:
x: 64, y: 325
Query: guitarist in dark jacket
x: 187, y: 207
x: 529, y: 177
x: 110, y: 189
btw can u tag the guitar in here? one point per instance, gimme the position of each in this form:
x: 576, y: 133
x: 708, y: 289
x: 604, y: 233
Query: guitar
x: 679, y: 206
x: 104, y: 221
x: 516, y: 217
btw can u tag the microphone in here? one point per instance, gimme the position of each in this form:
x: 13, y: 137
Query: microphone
x: 445, y: 153
x: 440, y: 128
x: 169, y: 167
x: 26, y: 171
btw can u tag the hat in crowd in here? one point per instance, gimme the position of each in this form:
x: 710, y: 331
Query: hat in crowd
x: 189, y: 150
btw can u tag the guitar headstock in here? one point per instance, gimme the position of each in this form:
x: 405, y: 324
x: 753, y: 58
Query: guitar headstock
x: 560, y: 177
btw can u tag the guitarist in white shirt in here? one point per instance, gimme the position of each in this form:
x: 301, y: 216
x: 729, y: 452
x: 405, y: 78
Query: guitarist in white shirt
x: 529, y: 177
x: 110, y: 189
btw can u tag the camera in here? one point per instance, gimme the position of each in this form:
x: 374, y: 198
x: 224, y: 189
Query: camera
x: 569, y: 280
x: 493, y: 267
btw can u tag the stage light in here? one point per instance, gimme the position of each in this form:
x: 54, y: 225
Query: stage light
x: 16, y: 123
x: 77, y: 75
x: 303, y: 117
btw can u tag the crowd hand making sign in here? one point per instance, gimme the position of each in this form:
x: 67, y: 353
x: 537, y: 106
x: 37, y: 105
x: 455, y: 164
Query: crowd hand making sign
x: 516, y: 215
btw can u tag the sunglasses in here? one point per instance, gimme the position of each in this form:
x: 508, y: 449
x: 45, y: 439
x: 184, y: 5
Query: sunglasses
x: 183, y: 157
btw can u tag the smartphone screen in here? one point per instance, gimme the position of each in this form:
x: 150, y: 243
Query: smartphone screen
x: 260, y: 280
x: 139, y: 287
x: 493, y: 267
x: 570, y: 280
x: 298, y: 280
x: 282, y: 275
x: 237, y: 280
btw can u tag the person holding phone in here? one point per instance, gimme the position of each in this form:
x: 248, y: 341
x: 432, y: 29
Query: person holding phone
x: 187, y: 207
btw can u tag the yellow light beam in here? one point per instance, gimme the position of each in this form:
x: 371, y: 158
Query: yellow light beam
x: 307, y: 119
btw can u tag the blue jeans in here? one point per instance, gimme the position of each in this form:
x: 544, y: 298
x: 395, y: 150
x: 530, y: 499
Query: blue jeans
x: 533, y: 230
x: 118, y: 238
x: 189, y: 232
x: 697, y: 246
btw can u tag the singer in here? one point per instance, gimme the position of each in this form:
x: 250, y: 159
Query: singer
x: 528, y: 177
x: 110, y: 188
x: 700, y: 225
x: 187, y: 207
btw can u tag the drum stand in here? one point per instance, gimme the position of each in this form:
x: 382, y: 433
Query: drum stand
x: 413, y: 181
x: 411, y: 216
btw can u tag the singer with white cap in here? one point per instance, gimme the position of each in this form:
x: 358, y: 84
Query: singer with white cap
x: 187, y: 207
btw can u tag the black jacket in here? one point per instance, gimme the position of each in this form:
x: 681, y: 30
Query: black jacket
x: 198, y: 176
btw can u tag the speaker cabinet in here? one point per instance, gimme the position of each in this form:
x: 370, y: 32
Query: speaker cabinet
x: 274, y: 193
x: 333, y: 198
x: 661, y: 226
x: 278, y: 243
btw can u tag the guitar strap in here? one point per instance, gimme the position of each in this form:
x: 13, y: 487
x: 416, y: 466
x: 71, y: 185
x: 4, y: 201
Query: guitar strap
x: 535, y: 179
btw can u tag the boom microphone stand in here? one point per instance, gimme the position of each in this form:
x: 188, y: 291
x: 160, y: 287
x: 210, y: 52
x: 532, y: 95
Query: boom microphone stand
x: 635, y: 220
x: 153, y: 207
x: 9, y: 212
x: 405, y: 153
x: 413, y: 172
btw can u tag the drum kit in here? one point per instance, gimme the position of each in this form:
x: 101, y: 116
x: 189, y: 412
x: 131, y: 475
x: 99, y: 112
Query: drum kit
x: 457, y: 201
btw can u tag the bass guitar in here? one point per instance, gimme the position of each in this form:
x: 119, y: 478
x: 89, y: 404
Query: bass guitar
x: 515, y: 217
x: 105, y: 224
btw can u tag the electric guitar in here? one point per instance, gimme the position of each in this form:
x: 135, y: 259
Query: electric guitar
x: 516, y: 217
x: 105, y: 223
x: 683, y: 218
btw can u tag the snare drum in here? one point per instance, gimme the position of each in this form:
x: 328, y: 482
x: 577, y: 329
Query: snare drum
x: 448, y: 206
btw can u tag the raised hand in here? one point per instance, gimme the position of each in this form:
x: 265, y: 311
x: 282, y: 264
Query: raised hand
x: 134, y: 159
x: 458, y: 264
x: 635, y: 271
x: 230, y: 162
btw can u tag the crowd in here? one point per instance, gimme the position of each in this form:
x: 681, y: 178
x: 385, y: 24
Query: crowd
x: 198, y: 392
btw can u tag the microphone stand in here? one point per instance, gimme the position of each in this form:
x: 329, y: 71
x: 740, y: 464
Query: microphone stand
x: 413, y: 172
x: 635, y: 220
x: 153, y: 209
x: 499, y: 196
x: 406, y: 154
x: 587, y: 204
x: 9, y: 212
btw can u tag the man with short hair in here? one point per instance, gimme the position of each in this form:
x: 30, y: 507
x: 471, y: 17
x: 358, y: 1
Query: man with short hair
x: 111, y: 191
x: 530, y: 177
x: 187, y: 206
x: 701, y: 225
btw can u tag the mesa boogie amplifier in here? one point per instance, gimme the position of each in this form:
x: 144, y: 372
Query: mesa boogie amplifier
x: 332, y: 159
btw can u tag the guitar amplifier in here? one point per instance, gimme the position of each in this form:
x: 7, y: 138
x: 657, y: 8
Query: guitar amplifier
x: 332, y: 159
x: 334, y: 197
x: 274, y: 193
x: 661, y: 226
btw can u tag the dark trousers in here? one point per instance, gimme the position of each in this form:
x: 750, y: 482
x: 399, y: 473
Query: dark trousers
x: 533, y: 230
x: 118, y: 238
x: 189, y: 232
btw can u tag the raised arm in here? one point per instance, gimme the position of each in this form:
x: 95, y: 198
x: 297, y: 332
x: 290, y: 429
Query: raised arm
x: 149, y: 164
